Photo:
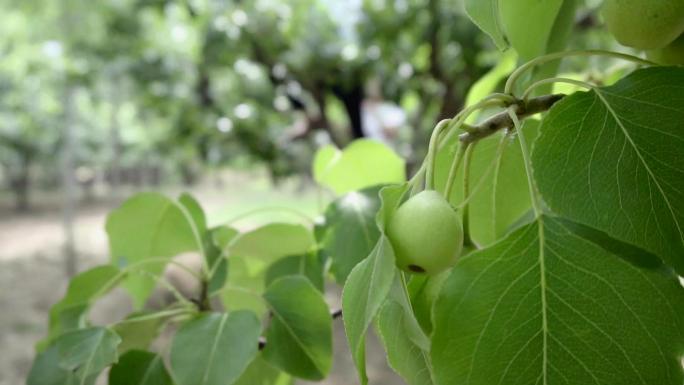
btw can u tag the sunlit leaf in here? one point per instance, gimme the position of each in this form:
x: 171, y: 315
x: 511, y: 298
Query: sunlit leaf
x: 148, y: 226
x: 364, y: 163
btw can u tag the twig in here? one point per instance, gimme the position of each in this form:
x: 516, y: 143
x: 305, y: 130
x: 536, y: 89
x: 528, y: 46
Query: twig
x: 503, y: 120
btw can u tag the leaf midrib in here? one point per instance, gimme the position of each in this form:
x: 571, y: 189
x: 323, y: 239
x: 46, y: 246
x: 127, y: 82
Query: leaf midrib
x: 214, y: 347
x: 297, y: 340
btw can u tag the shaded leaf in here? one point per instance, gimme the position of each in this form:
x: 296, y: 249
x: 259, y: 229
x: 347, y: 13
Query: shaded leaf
x: 214, y: 348
x: 351, y: 230
x: 546, y: 305
x: 405, y: 357
x: 140, y: 368
x: 611, y: 159
x: 300, y: 335
x: 46, y: 371
x: 70, y: 312
x: 87, y: 351
x: 369, y: 283
x: 138, y: 330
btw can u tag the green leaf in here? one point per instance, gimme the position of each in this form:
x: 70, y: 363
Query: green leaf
x: 403, y: 355
x: 215, y: 348
x: 423, y: 291
x: 528, y: 24
x: 611, y: 159
x: 140, y: 368
x: 138, y: 330
x: 70, y: 312
x: 195, y: 212
x: 498, y: 184
x: 369, y: 283
x: 363, y: 163
x: 222, y: 235
x: 259, y: 372
x: 87, y: 351
x: 244, y: 288
x: 46, y: 371
x: 502, y: 197
x: 309, y: 266
x: 364, y: 292
x: 148, y: 225
x: 299, y: 339
x: 325, y: 157
x: 351, y: 231
x: 485, y: 14
x: 546, y: 305
x: 264, y: 245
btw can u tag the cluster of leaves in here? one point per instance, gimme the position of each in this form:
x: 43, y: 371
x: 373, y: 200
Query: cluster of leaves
x: 570, y: 275
x: 259, y: 314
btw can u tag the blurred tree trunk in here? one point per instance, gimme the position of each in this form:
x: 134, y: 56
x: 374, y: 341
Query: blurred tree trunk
x: 20, y: 182
x: 68, y: 183
x: 352, y: 97
x: 114, y: 140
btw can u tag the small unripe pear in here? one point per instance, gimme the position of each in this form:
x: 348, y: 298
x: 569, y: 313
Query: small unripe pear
x: 644, y: 24
x: 426, y: 234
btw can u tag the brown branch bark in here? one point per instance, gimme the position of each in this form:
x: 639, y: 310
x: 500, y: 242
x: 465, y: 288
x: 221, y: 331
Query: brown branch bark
x: 502, y: 120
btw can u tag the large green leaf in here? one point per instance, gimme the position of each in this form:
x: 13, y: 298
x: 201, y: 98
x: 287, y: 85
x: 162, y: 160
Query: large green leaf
x: 351, y: 231
x: 548, y: 306
x: 148, y: 225
x: 70, y: 312
x: 299, y: 339
x: 364, y: 163
x: 403, y: 355
x: 369, y: 283
x: 140, y: 368
x: 46, y: 371
x: 215, y: 348
x: 87, y: 351
x: 612, y: 159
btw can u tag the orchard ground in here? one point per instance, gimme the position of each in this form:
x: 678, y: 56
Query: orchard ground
x: 32, y: 270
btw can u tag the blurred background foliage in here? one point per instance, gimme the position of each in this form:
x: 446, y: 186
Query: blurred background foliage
x: 143, y: 92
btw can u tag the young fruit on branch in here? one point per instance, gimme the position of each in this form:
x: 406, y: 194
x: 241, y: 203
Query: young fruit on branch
x: 672, y: 54
x: 426, y: 234
x: 644, y: 24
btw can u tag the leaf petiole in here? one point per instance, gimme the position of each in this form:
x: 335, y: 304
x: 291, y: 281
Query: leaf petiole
x: 510, y: 83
